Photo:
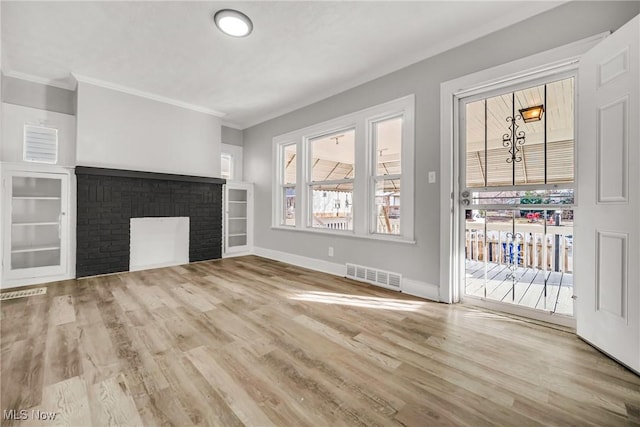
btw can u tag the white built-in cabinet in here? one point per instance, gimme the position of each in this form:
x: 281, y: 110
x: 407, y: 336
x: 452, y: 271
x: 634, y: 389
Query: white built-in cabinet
x: 36, y: 226
x: 238, y: 218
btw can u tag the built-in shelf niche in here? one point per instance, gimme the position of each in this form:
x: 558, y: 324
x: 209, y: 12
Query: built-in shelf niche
x: 238, y: 198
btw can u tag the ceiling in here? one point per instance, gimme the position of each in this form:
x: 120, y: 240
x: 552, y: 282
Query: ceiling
x: 299, y: 52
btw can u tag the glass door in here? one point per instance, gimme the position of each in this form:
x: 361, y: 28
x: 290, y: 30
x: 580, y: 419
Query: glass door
x: 38, y: 224
x: 517, y: 186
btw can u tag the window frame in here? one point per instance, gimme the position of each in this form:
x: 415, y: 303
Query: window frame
x: 229, y: 157
x: 375, y: 178
x: 310, y: 183
x: 363, y: 200
x: 283, y: 185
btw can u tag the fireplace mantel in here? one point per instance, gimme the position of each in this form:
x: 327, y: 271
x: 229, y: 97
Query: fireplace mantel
x: 88, y: 170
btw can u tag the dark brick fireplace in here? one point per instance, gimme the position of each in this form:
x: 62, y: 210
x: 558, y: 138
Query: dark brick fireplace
x: 109, y: 198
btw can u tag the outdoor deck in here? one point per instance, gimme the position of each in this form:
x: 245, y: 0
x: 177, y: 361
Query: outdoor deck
x: 529, y: 289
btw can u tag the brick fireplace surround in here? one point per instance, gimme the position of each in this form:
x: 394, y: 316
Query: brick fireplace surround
x: 109, y: 198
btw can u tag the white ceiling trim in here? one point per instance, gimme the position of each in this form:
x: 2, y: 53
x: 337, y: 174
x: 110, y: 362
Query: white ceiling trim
x: 37, y: 79
x: 148, y: 95
x: 232, y: 125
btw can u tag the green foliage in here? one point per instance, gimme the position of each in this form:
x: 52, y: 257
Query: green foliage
x: 533, y: 198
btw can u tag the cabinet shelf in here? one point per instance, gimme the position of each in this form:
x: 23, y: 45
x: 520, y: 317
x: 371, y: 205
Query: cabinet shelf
x: 238, y: 218
x: 26, y: 224
x: 25, y: 249
x: 237, y: 235
x: 35, y: 198
x: 238, y: 201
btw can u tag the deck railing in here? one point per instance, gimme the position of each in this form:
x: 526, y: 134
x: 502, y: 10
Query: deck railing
x: 332, y: 222
x: 343, y: 223
x: 529, y: 246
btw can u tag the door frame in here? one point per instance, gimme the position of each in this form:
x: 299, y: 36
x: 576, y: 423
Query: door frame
x: 543, y: 64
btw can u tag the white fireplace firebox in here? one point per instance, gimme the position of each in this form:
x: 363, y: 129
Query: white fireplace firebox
x: 158, y: 242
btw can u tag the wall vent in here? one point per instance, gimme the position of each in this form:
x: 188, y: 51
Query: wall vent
x: 21, y: 294
x: 351, y: 270
x: 374, y: 276
x: 40, y: 144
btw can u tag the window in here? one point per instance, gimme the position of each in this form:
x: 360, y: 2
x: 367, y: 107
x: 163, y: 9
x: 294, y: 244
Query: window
x: 331, y: 160
x: 503, y: 152
x: 226, y: 166
x: 387, y: 178
x: 322, y: 191
x: 288, y: 187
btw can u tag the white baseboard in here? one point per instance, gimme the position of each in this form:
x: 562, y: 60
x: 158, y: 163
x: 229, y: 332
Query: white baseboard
x: 237, y: 254
x: 408, y: 286
x: 302, y: 261
x: 17, y: 283
x: 420, y: 289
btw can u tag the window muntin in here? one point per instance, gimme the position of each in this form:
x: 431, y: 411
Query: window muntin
x: 332, y: 172
x: 387, y: 152
x: 547, y: 154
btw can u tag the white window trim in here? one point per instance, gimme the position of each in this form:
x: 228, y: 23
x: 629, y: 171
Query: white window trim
x: 363, y: 199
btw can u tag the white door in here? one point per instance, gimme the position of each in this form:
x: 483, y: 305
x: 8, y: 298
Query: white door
x: 608, y: 219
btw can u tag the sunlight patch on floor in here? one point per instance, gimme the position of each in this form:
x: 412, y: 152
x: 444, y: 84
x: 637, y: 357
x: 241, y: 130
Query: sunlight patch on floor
x: 359, y: 301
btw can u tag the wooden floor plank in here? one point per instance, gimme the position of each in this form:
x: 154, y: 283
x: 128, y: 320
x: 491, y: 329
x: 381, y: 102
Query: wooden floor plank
x: 236, y: 396
x: 250, y: 341
x: 62, y: 310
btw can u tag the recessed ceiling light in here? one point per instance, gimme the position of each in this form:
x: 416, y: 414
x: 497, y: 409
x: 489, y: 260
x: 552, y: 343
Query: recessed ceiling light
x: 233, y: 23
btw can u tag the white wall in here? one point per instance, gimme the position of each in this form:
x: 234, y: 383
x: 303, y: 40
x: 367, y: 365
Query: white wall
x: 420, y: 263
x: 37, y: 95
x: 231, y: 136
x: 14, y: 117
x: 123, y: 131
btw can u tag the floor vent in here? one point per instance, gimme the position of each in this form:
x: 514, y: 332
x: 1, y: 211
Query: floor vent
x: 21, y: 294
x: 374, y: 276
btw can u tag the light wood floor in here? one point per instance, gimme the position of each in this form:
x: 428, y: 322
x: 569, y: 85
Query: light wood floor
x: 253, y: 342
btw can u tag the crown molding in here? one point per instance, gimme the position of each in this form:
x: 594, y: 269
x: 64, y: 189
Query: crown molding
x: 69, y: 85
x: 131, y: 91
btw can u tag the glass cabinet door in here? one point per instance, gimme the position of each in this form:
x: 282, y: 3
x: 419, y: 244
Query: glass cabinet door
x: 237, y: 230
x: 38, y: 224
